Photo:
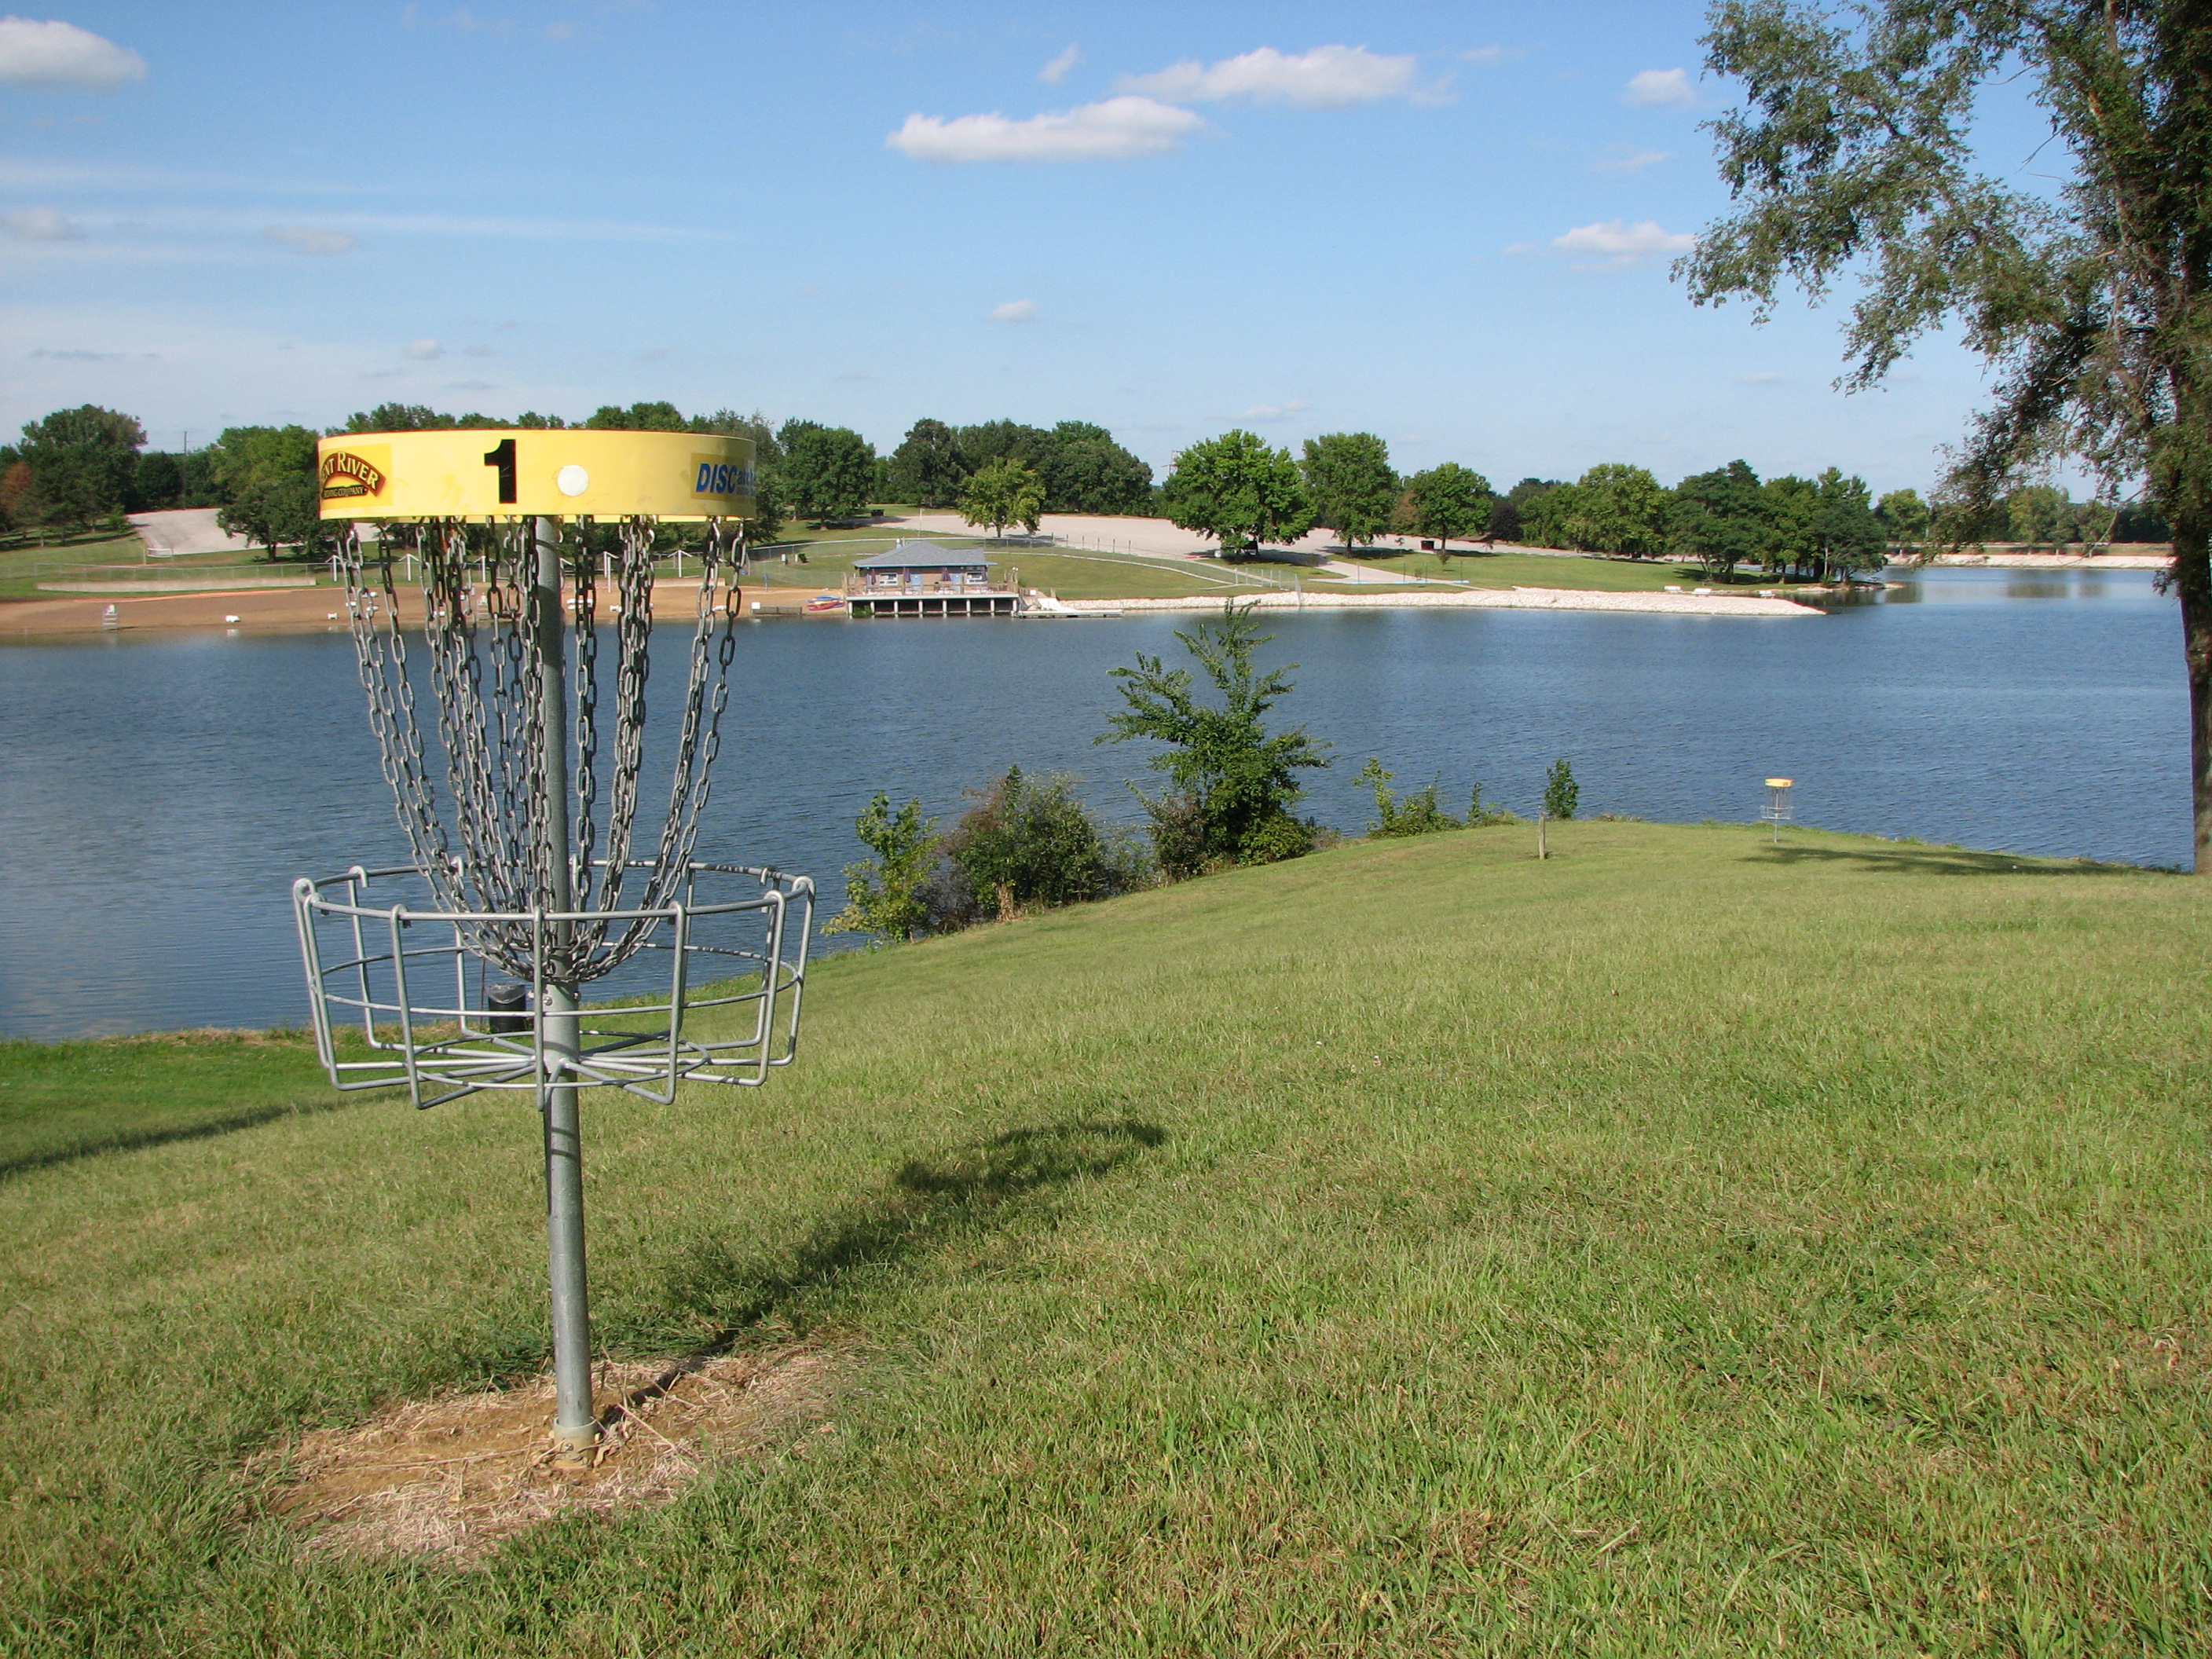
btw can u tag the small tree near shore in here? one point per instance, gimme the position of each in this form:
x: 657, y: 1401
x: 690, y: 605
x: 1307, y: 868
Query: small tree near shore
x: 1562, y: 794
x: 883, y: 895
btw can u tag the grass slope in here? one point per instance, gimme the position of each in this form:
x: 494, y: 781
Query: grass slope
x: 1677, y: 1247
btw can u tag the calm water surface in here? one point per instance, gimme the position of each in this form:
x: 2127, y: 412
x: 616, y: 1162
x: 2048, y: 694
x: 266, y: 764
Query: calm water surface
x: 157, y: 797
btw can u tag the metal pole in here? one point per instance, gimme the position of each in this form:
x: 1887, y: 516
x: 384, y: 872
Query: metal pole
x: 575, y: 1417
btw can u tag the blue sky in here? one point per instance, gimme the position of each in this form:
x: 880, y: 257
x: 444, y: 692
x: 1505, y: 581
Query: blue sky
x: 1448, y: 225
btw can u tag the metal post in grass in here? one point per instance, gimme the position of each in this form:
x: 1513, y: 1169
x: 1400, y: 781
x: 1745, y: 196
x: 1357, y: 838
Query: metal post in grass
x: 522, y: 862
x: 1776, y: 811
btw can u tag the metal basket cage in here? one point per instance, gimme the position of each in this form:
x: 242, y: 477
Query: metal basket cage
x: 403, y: 976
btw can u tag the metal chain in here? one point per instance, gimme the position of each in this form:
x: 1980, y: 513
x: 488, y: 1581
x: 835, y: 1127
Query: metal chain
x: 485, y: 667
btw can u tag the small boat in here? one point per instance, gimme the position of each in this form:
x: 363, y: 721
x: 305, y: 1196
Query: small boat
x: 824, y: 602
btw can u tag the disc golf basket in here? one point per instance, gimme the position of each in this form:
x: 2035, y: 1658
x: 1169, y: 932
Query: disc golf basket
x: 533, y: 874
x: 1776, y: 809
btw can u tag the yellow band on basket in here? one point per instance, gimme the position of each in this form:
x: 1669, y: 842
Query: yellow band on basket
x: 498, y: 474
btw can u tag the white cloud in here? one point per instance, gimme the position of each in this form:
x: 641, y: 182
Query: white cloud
x: 1274, y: 411
x: 1327, y: 77
x: 1613, y: 244
x: 1015, y: 311
x: 1621, y: 159
x: 41, y: 225
x: 1112, y: 131
x: 56, y: 54
x: 310, y: 239
x: 1659, y: 87
x: 423, y: 350
x: 1056, y: 71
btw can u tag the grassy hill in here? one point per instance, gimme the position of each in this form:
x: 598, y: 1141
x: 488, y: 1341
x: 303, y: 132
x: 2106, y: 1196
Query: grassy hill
x: 1680, y: 1246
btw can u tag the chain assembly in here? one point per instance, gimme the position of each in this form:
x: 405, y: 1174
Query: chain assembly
x: 486, y: 842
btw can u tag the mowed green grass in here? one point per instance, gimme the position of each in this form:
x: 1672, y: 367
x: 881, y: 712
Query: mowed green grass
x: 1679, y: 1246
x: 1479, y: 568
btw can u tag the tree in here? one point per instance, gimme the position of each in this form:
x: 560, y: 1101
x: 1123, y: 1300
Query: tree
x: 1084, y: 470
x: 1350, y: 482
x: 1903, y: 517
x: 1562, y: 794
x: 1235, y: 783
x: 84, y: 462
x: 245, y: 456
x: 1847, y: 537
x: 1239, y: 491
x: 1854, y: 156
x: 1001, y: 493
x: 1719, y: 518
x: 281, y: 511
x: 656, y: 416
x: 160, y: 483
x: 1612, y: 508
x: 1791, y: 506
x: 826, y: 472
x: 1024, y: 844
x: 927, y: 467
x: 1450, y: 501
x: 883, y: 895
x: 1509, y: 512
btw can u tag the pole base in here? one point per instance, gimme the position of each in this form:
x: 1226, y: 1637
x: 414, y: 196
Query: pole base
x: 574, y: 1448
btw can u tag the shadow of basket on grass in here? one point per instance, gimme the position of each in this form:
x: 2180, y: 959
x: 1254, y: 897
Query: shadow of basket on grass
x: 925, y: 1206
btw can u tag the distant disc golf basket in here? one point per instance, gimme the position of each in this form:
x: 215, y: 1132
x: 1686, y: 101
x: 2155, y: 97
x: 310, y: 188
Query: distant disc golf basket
x: 532, y: 873
x: 1776, y: 811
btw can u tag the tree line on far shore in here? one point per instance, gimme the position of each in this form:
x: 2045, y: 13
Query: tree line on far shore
x: 82, y: 468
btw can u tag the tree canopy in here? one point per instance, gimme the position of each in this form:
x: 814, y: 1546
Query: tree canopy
x: 1852, y: 159
x: 1450, y: 502
x: 1351, y: 485
x: 1237, y: 489
x: 1001, y: 493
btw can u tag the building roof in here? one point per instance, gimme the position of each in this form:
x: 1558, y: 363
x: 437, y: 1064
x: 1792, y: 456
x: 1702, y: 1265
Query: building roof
x: 925, y: 555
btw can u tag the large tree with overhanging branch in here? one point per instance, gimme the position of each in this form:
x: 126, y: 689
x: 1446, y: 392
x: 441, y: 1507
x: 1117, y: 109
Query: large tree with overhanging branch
x: 1852, y: 161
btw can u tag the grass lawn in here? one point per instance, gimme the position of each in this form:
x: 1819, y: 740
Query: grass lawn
x: 60, y: 1101
x: 1682, y: 1246
x: 1071, y: 574
x: 1503, y: 570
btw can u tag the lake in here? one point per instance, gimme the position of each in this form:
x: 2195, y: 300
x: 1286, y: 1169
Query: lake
x: 158, y: 795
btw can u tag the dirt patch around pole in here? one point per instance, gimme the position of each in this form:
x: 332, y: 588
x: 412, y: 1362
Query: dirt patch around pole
x: 455, y: 1477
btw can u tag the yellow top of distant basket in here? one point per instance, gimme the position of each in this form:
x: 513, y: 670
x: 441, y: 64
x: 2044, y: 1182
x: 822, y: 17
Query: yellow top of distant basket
x: 500, y: 473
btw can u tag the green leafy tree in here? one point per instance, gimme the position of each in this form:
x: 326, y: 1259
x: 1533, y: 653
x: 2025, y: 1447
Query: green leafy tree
x: 1562, y: 794
x: 883, y: 895
x: 1415, y: 814
x: 1612, y: 508
x: 826, y: 471
x: 655, y: 417
x: 927, y: 467
x: 1847, y: 536
x: 85, y: 462
x: 1856, y: 155
x: 161, y: 481
x: 1350, y: 482
x: 1719, y: 518
x: 246, y: 456
x: 1238, y: 491
x: 1791, y: 507
x: 1510, y: 513
x: 1084, y: 470
x: 278, y: 511
x: 1235, y: 783
x: 1025, y: 844
x: 1451, y: 504
x: 1903, y: 517
x: 1001, y: 493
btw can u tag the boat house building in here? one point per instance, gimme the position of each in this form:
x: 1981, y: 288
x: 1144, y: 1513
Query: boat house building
x: 926, y: 579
